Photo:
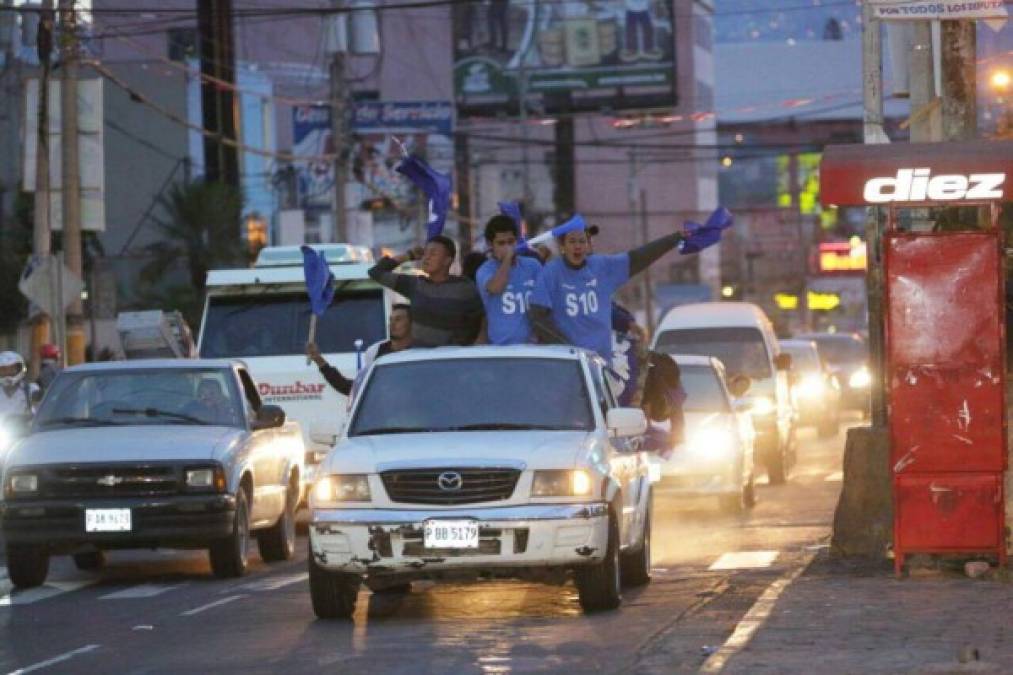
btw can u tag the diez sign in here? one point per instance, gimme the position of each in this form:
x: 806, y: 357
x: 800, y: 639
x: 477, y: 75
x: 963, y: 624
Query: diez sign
x: 918, y: 185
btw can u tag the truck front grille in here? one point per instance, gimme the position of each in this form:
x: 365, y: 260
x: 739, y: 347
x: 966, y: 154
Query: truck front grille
x: 113, y: 480
x: 457, y: 486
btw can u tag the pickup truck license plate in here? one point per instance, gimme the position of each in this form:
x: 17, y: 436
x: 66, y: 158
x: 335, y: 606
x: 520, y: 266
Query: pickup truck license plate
x: 450, y: 534
x: 107, y: 520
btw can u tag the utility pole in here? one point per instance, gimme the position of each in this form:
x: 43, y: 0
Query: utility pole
x: 872, y: 87
x: 648, y: 283
x: 41, y: 236
x: 462, y: 165
x: 71, y: 176
x: 339, y: 134
x: 960, y: 112
x: 925, y: 105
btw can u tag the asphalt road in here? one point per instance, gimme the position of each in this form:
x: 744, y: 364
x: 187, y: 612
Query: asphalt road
x: 162, y: 612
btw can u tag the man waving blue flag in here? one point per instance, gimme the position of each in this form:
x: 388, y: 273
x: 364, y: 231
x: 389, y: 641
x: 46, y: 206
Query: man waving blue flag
x: 572, y: 303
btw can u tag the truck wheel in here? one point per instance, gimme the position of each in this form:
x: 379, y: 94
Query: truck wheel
x: 333, y: 594
x: 775, y: 467
x: 27, y: 566
x: 636, y: 567
x: 277, y: 543
x: 749, y: 493
x: 229, y: 555
x: 598, y: 585
x: 92, y: 560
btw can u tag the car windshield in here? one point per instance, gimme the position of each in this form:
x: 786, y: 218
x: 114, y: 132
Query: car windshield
x: 804, y: 359
x: 141, y: 397
x: 841, y: 350
x: 277, y: 324
x: 474, y: 395
x: 704, y: 392
x: 741, y: 350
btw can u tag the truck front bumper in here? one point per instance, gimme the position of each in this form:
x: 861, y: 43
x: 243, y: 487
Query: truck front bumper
x: 383, y: 541
x: 178, y: 521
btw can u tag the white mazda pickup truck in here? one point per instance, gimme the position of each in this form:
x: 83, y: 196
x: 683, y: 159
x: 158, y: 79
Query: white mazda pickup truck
x: 483, y: 462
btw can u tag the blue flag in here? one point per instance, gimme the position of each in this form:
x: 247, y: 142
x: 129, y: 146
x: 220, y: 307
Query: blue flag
x: 511, y: 210
x: 699, y: 237
x: 437, y: 189
x: 572, y: 225
x: 319, y: 280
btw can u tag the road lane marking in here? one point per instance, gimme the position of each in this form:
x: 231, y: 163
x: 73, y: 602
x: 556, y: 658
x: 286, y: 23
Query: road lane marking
x: 273, y: 584
x: 56, y: 659
x: 141, y: 591
x: 744, y: 560
x: 753, y: 620
x: 212, y: 605
x: 835, y: 477
x: 32, y: 595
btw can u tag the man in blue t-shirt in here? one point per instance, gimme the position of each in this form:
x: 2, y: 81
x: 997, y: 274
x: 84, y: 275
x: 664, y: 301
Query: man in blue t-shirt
x: 572, y: 303
x: 506, y: 283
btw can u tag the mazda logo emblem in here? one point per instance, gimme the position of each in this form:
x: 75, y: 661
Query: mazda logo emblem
x: 450, y: 481
x: 109, y: 481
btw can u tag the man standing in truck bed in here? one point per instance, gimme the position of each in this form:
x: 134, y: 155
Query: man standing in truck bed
x: 446, y: 309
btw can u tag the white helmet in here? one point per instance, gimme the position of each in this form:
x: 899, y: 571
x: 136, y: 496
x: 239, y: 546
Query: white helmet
x: 12, y: 369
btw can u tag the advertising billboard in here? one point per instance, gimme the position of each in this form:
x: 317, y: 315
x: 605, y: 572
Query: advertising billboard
x: 567, y: 55
x: 424, y: 127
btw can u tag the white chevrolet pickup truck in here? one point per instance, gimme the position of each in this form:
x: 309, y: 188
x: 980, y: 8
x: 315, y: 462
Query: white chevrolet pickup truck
x: 482, y: 461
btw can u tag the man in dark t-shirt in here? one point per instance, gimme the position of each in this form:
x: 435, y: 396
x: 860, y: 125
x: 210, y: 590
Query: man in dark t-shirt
x: 446, y: 309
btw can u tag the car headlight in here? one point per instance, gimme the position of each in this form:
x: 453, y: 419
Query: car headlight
x: 209, y: 478
x: 810, y: 387
x: 562, y: 483
x: 342, y: 488
x: 712, y: 442
x: 860, y: 379
x: 763, y: 405
x: 22, y: 484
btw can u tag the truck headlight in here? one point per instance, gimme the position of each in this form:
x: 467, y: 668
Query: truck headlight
x: 209, y: 478
x: 860, y: 379
x: 342, y: 488
x: 712, y: 442
x: 763, y: 405
x: 810, y: 387
x: 22, y: 484
x: 561, y: 483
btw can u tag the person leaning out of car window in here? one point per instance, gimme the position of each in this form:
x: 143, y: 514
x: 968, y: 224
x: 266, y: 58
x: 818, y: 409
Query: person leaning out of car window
x: 400, y: 328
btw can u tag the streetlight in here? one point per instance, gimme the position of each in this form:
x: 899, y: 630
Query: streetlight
x: 999, y: 81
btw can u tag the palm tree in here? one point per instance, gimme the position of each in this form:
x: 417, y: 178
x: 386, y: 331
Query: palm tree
x: 201, y: 230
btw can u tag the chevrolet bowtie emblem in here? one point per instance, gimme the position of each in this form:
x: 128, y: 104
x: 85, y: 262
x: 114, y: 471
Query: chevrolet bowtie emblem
x: 110, y: 480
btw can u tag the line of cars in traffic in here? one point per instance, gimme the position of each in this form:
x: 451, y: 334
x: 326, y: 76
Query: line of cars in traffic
x: 481, y: 461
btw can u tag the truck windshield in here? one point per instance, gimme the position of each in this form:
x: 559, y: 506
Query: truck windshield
x: 474, y: 395
x: 141, y: 397
x: 742, y: 350
x: 277, y: 324
x: 703, y: 390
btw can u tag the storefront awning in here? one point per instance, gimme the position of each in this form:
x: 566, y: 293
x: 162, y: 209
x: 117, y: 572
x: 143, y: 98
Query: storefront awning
x: 852, y: 175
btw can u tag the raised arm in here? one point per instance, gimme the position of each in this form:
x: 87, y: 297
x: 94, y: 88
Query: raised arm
x: 383, y: 272
x: 648, y: 254
x: 501, y: 278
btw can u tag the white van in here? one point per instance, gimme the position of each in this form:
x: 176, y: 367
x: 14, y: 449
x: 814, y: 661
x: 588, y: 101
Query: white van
x: 261, y: 316
x: 742, y: 337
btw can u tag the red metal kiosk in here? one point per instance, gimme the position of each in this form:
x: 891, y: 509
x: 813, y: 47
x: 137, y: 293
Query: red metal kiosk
x: 944, y: 336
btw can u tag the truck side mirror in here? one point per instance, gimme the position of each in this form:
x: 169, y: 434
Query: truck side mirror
x: 739, y: 385
x: 782, y: 362
x: 269, y: 417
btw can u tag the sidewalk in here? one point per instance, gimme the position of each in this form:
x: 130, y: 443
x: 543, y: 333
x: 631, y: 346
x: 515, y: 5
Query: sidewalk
x: 841, y: 618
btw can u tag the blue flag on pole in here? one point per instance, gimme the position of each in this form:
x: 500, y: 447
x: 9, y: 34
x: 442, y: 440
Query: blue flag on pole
x: 572, y: 225
x: 319, y: 280
x: 435, y: 185
x: 699, y: 237
x: 511, y: 210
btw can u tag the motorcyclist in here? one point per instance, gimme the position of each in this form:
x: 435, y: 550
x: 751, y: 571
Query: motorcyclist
x: 51, y: 366
x: 15, y: 390
x: 16, y: 394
